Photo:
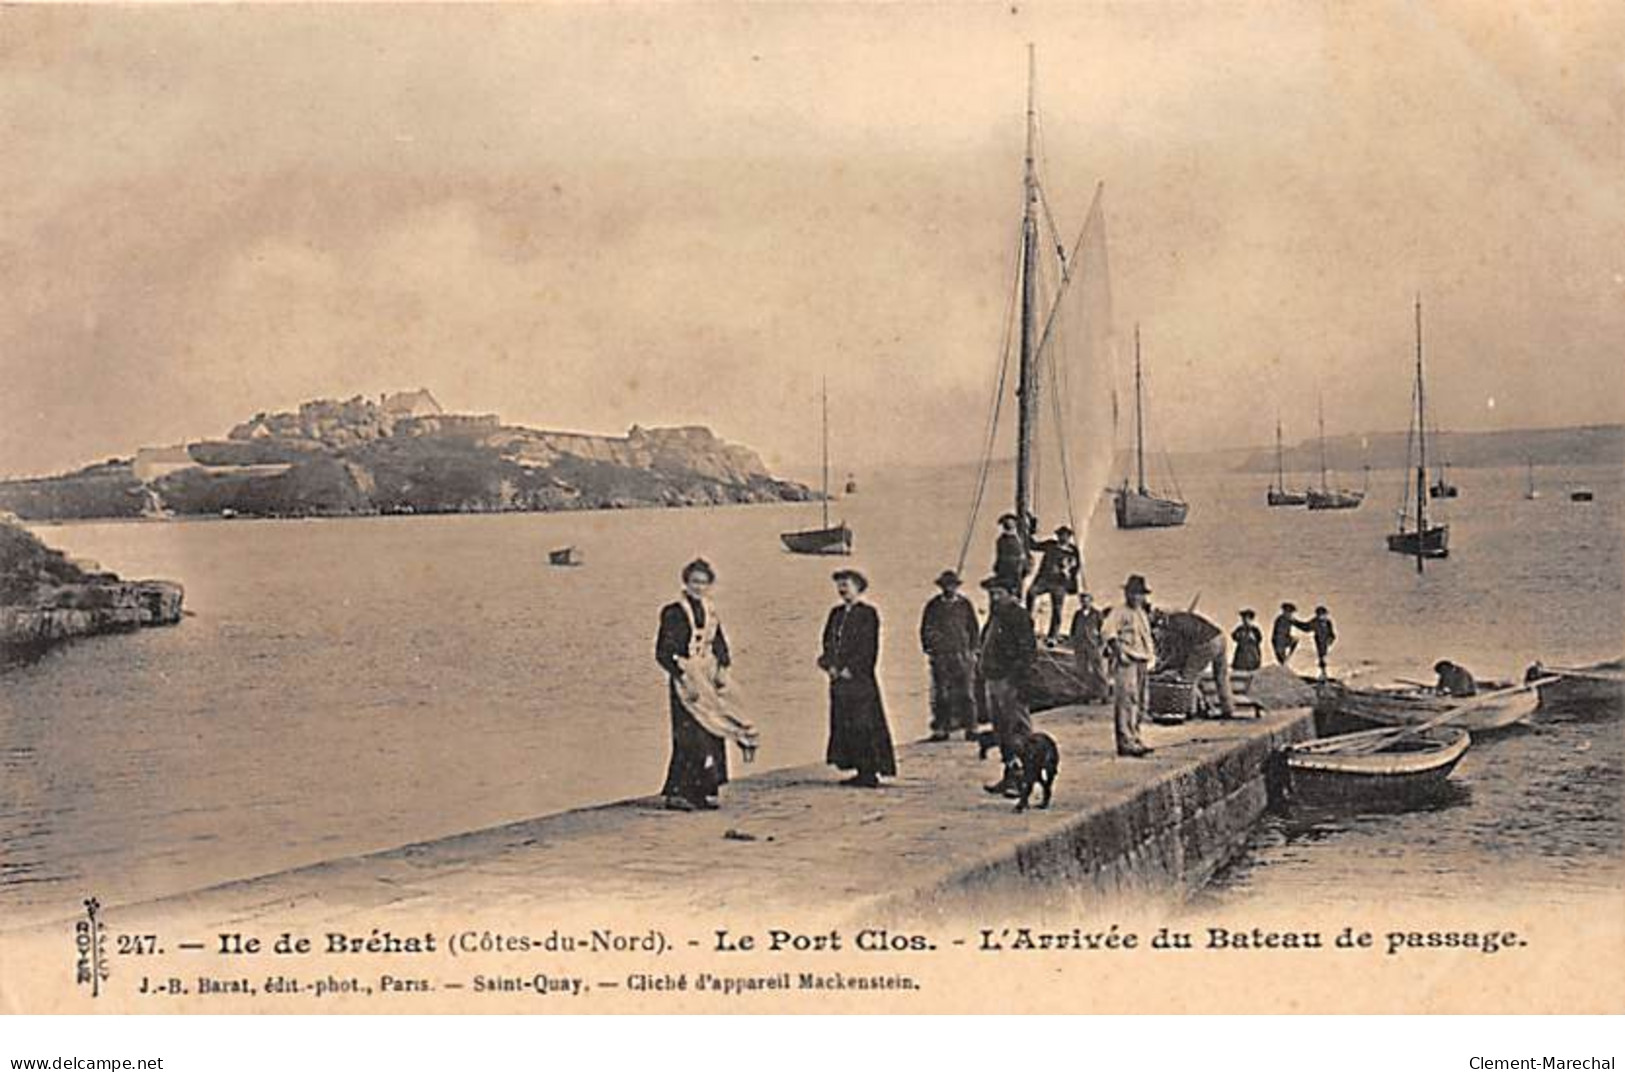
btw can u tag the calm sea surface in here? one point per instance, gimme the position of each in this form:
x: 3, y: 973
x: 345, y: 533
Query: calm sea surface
x: 347, y: 686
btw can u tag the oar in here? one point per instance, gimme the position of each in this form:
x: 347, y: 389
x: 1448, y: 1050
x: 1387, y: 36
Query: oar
x: 1364, y: 747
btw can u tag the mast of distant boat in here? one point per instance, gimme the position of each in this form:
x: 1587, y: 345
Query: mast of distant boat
x: 823, y: 392
x: 1280, y: 464
x: 1422, y: 448
x: 1139, y: 416
x: 1320, y: 413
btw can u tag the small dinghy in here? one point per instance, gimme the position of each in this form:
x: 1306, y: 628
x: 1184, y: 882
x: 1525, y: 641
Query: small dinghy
x: 1381, y: 767
x: 564, y: 556
x: 1597, y: 685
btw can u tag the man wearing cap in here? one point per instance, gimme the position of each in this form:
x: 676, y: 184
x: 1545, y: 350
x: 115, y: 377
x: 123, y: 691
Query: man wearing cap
x: 1010, y: 558
x: 1089, y: 647
x: 948, y: 636
x: 1131, y: 649
x: 1008, y: 651
x: 1325, y: 636
x: 1281, y: 638
x: 1057, y: 577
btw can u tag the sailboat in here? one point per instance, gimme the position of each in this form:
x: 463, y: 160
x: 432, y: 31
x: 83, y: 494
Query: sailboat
x: 829, y: 539
x: 1533, y: 492
x: 1058, y: 351
x: 1441, y: 488
x: 1278, y: 495
x: 851, y: 484
x: 1326, y: 497
x: 1138, y: 508
x: 1424, y: 541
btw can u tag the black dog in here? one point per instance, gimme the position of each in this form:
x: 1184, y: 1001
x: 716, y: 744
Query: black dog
x: 1039, y: 758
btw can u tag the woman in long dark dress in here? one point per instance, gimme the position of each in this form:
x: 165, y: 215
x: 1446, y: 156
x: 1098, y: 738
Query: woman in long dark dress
x: 859, y: 739
x: 699, y: 758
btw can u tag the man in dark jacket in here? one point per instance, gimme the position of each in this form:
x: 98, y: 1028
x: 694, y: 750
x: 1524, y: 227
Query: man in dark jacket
x: 1010, y: 558
x: 1187, y: 644
x: 1058, y: 574
x: 949, y: 633
x: 1454, y: 680
x: 1008, y: 651
x: 1281, y: 638
x: 1325, y: 636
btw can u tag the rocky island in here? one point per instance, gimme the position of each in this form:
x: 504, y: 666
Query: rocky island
x: 403, y: 454
x: 45, y: 597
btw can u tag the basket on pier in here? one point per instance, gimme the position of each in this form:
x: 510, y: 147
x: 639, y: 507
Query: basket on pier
x: 1170, y: 700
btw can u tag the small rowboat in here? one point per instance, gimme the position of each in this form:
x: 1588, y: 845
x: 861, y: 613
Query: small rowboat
x: 1500, y: 706
x: 1355, y: 768
x: 564, y: 556
x: 836, y: 540
x: 1599, y: 685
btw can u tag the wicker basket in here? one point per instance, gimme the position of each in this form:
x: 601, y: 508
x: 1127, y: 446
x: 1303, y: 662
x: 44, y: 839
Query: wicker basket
x: 1171, y: 701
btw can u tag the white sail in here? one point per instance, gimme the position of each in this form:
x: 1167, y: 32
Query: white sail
x: 1077, y: 357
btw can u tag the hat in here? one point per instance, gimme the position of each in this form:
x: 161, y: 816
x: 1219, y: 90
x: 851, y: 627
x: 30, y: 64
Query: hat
x: 996, y: 583
x: 1064, y: 530
x: 699, y: 565
x: 1247, y: 612
x: 1442, y: 665
x: 948, y: 578
x: 1289, y: 608
x: 1136, y: 583
x: 1322, y: 610
x: 852, y: 575
x: 1008, y: 517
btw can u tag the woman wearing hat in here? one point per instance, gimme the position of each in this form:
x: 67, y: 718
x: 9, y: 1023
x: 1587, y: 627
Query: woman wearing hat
x: 859, y: 739
x: 949, y: 634
x: 693, y: 651
x: 1249, y: 641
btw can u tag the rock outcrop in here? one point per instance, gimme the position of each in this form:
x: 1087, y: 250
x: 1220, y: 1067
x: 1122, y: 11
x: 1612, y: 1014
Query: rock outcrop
x: 403, y: 454
x: 45, y: 597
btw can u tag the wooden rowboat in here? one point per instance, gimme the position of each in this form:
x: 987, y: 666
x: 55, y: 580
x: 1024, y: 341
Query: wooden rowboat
x: 1500, y: 706
x: 564, y: 556
x: 1403, y: 770
x: 1598, y: 685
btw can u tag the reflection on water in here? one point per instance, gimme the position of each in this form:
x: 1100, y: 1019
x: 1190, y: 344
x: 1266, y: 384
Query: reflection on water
x: 346, y: 686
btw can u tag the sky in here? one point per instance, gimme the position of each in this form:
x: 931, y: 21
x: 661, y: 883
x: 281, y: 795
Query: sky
x: 585, y: 217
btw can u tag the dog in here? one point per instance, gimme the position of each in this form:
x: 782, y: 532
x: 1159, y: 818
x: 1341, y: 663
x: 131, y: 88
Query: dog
x: 1039, y: 758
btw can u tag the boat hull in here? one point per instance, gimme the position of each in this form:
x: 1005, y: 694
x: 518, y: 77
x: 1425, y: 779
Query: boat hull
x: 1334, y: 500
x: 1410, y: 707
x: 564, y: 556
x: 1605, y: 689
x: 1432, y: 543
x: 1443, y: 491
x: 1136, y: 511
x: 1410, y: 771
x: 1275, y: 497
x: 1581, y: 496
x: 830, y: 541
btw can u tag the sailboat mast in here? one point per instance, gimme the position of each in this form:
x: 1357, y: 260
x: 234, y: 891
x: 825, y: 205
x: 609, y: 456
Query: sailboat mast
x: 824, y: 400
x: 1139, y: 415
x: 1320, y: 410
x: 1280, y: 465
x: 1422, y: 445
x: 1026, y: 386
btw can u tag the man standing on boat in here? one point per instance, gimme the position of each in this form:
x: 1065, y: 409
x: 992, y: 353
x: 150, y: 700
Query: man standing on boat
x: 1131, y: 649
x: 1008, y: 650
x: 1058, y: 575
x: 693, y: 651
x: 859, y: 738
x: 1188, y: 644
x: 948, y: 634
x: 1010, y: 558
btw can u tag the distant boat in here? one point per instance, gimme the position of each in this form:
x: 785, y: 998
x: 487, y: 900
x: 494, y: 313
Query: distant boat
x: 1277, y: 494
x: 1424, y: 541
x: 1327, y: 497
x: 1137, y: 507
x: 829, y: 539
x: 1442, y: 488
x: 1581, y: 495
x: 1533, y: 492
x: 564, y: 556
x: 851, y: 484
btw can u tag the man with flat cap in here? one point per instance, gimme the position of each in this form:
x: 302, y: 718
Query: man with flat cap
x: 1011, y: 560
x: 948, y: 636
x: 1132, y: 650
x: 859, y: 738
x: 1059, y: 566
x: 1008, y: 651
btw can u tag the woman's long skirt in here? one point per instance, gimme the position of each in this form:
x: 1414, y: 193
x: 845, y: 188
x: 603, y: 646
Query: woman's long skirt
x: 699, y: 760
x: 859, y: 738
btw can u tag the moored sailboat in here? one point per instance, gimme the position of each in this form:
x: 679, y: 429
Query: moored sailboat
x: 1277, y: 494
x: 1138, y: 507
x: 1423, y: 541
x: 829, y: 539
x: 1326, y: 497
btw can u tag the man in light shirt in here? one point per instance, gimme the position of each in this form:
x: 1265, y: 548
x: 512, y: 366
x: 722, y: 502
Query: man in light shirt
x: 1127, y: 631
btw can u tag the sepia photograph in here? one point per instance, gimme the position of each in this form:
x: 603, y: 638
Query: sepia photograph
x: 812, y: 508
